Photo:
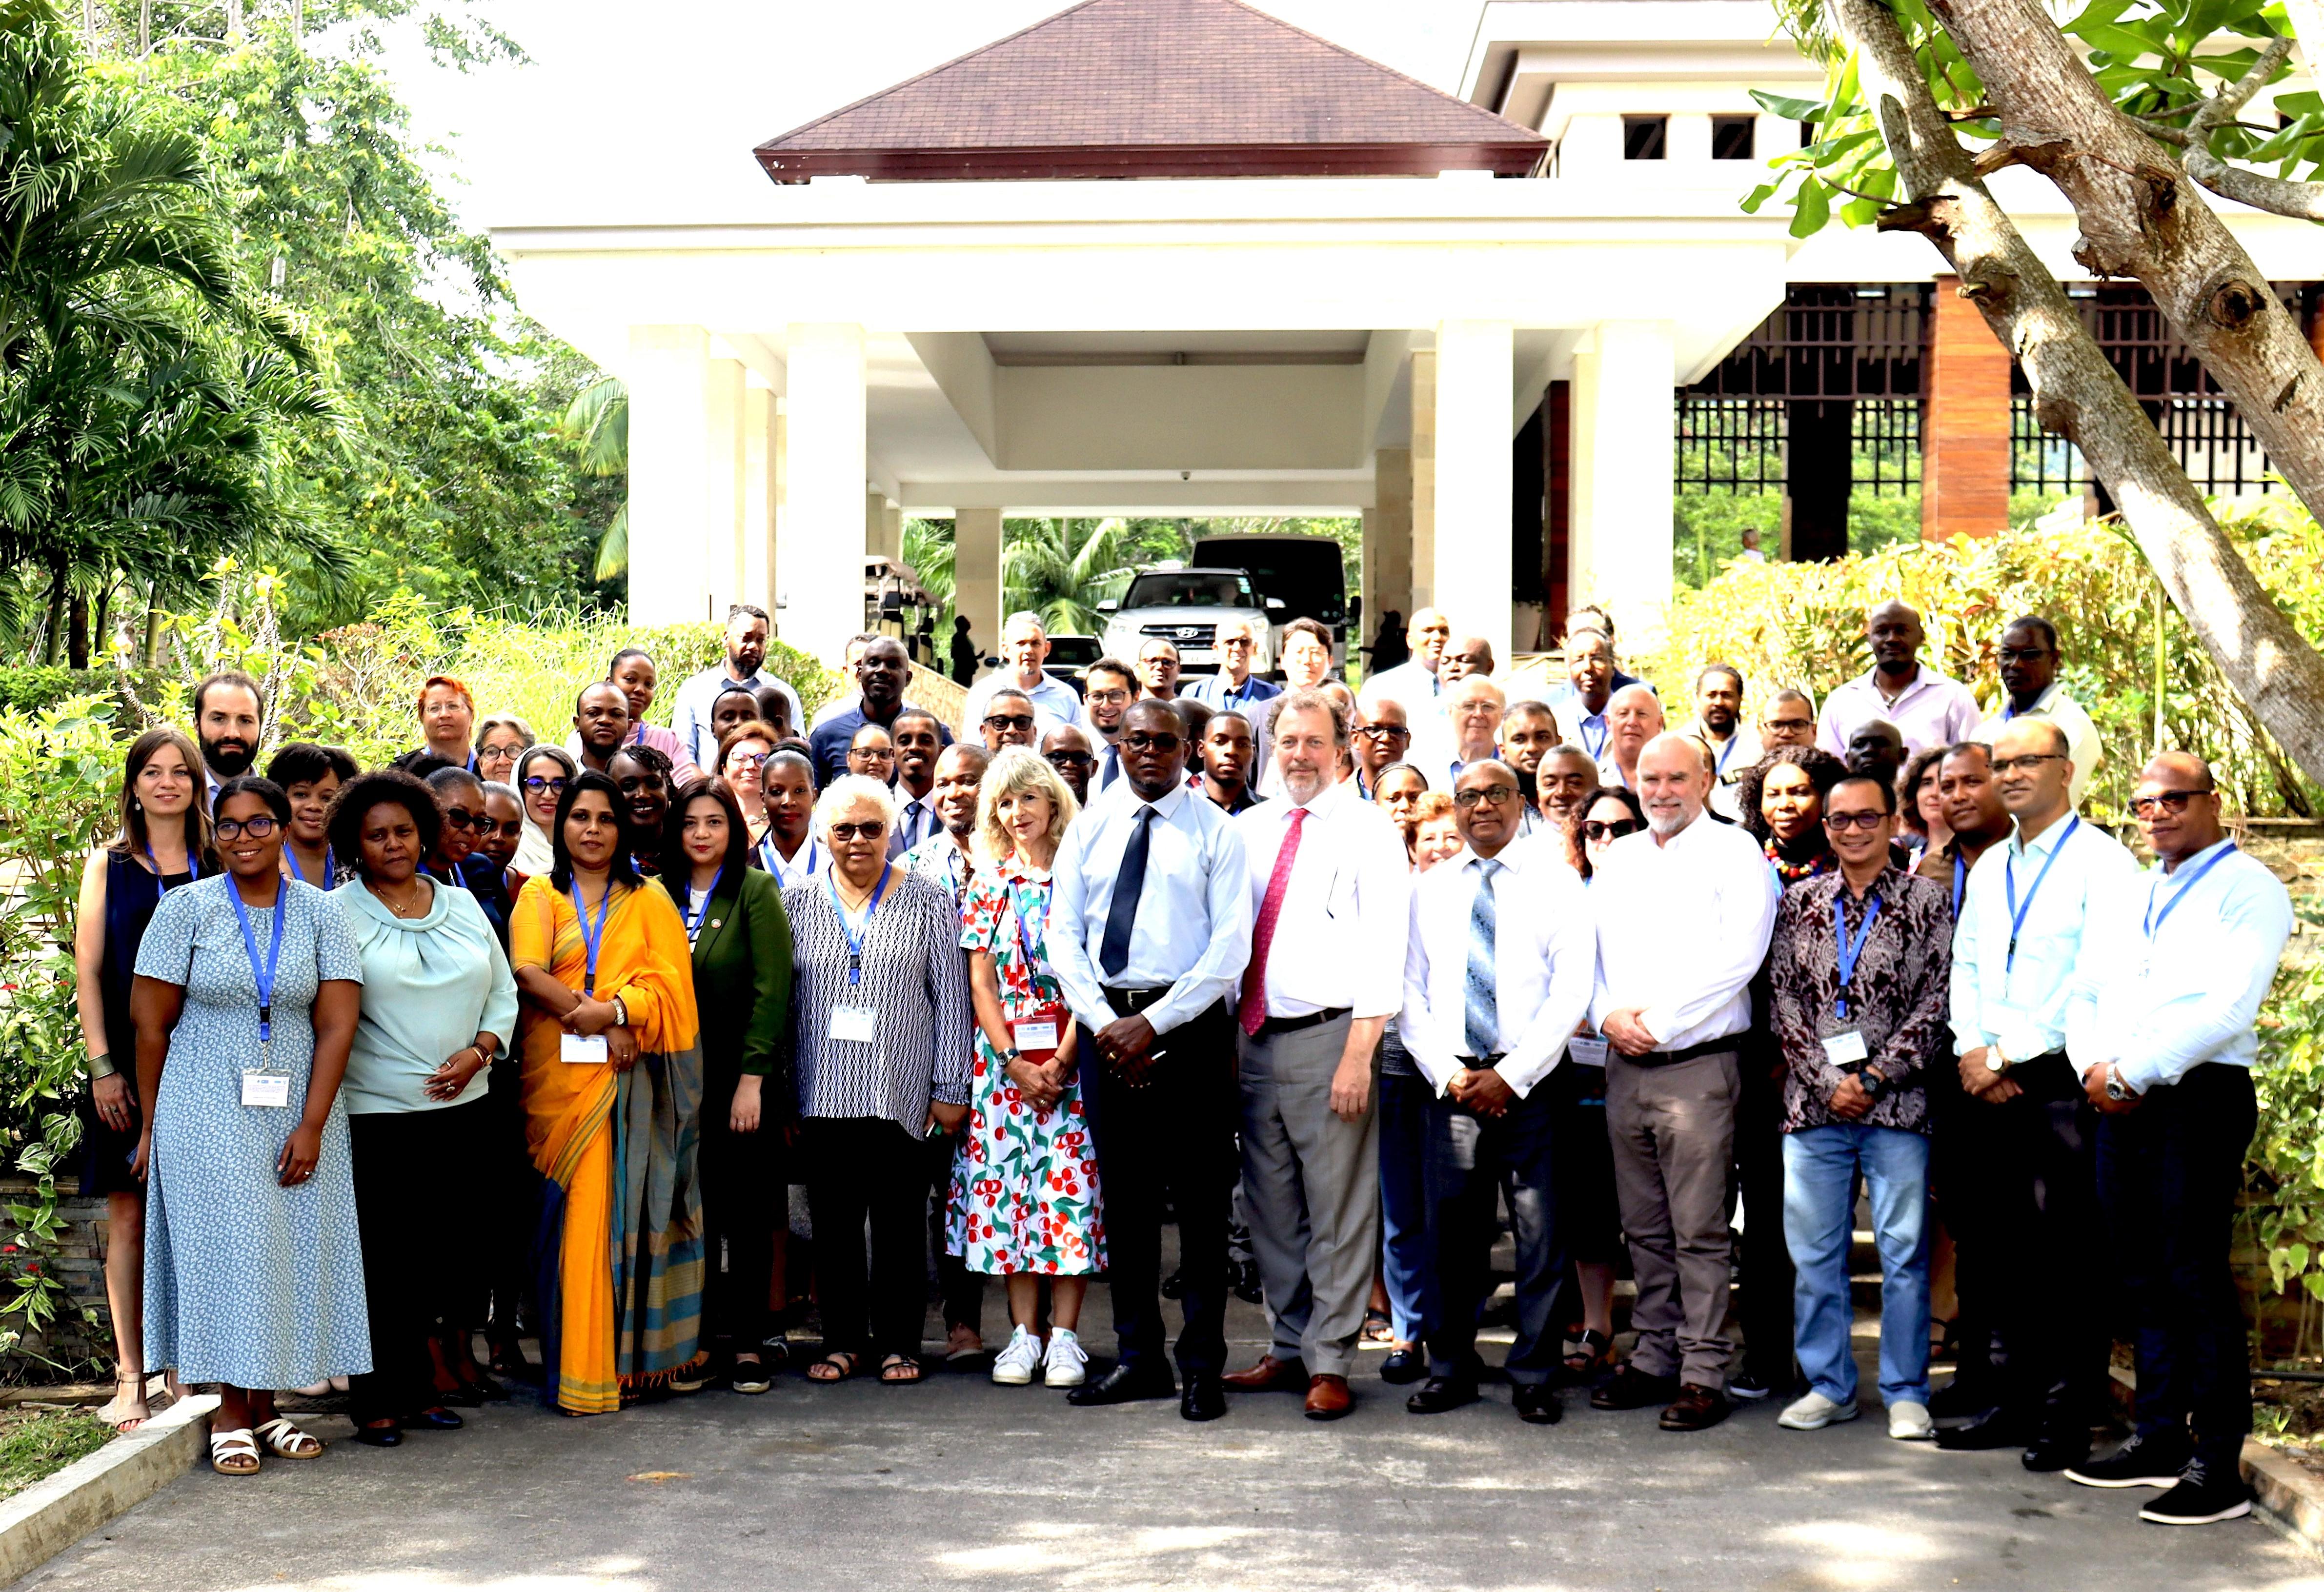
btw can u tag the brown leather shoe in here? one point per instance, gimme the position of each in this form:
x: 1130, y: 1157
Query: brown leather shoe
x: 1270, y: 1376
x: 1696, y: 1409
x: 1328, y: 1397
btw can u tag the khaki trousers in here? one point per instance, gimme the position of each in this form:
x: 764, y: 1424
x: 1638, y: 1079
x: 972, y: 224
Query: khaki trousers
x: 1673, y: 1135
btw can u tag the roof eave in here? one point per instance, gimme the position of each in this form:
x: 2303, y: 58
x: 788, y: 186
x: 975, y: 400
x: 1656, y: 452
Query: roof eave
x: 1006, y: 163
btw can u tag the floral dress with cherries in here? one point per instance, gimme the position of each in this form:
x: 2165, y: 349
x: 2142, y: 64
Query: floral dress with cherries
x: 1024, y: 1182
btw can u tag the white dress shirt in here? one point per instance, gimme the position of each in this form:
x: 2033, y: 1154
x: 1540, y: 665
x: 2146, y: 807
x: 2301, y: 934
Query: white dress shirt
x: 1741, y: 750
x: 1682, y: 929
x: 1411, y: 685
x: 916, y: 821
x: 2184, y: 960
x: 1545, y: 964
x: 1055, y: 703
x: 1192, y: 929
x: 804, y: 864
x: 2021, y: 1006
x: 2082, y: 744
x: 1339, y: 935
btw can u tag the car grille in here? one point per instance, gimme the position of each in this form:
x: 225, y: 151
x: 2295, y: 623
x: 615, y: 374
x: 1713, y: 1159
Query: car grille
x: 1182, y: 635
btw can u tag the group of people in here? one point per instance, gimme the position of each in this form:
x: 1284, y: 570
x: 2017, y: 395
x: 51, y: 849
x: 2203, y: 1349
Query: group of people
x: 1328, y: 979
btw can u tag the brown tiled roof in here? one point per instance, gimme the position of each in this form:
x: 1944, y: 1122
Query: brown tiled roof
x: 1153, y: 88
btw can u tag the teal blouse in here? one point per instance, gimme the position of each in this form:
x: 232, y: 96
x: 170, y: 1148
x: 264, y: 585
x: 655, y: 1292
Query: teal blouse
x: 431, y: 984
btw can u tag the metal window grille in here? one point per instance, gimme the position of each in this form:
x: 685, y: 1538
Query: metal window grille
x: 1729, y: 444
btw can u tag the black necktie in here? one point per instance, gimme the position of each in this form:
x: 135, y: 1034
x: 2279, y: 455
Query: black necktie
x: 1121, y: 912
x: 1113, y: 769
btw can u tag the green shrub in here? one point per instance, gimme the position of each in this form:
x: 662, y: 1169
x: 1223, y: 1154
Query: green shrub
x: 29, y: 690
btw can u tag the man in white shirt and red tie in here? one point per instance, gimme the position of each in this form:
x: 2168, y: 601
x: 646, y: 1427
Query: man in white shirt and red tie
x: 1685, y: 912
x: 1331, y: 895
x: 1498, y: 975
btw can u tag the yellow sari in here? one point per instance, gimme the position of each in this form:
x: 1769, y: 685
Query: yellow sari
x: 621, y: 1257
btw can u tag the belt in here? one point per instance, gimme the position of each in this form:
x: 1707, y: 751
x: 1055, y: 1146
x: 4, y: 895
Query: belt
x: 1128, y: 1002
x: 1274, y: 1025
x: 1671, y: 1058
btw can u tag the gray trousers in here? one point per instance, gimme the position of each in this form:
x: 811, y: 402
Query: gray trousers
x: 1311, y: 1185
x: 1674, y: 1133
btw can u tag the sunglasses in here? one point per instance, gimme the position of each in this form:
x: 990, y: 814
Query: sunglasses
x: 461, y: 818
x: 1595, y: 831
x: 870, y: 829
x: 1385, y: 731
x: 555, y: 786
x: 1070, y: 759
x: 1841, y: 823
x: 1009, y: 721
x: 2164, y: 801
x: 1139, y: 740
x: 257, y: 829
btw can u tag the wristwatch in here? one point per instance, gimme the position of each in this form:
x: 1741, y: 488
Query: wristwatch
x: 1871, y: 1083
x: 2115, y: 1089
x: 1995, y: 1060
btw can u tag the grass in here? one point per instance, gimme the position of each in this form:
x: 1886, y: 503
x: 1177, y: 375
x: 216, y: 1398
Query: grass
x: 36, y: 1444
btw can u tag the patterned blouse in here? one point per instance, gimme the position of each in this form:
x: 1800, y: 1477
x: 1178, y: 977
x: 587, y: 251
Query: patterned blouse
x: 1898, y: 1000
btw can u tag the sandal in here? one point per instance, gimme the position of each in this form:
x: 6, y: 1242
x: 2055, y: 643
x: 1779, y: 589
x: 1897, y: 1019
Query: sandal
x: 286, y: 1441
x: 748, y: 1375
x: 125, y: 1424
x: 900, y: 1370
x: 1595, y: 1351
x: 232, y: 1453
x: 836, y: 1366
x: 1377, y: 1326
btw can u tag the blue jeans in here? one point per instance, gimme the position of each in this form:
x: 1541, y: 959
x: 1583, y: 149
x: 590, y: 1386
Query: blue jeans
x: 1406, y: 1265
x: 1820, y: 1168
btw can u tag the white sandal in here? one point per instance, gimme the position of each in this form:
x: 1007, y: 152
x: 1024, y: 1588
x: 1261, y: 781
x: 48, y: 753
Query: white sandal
x: 234, y: 1445
x: 286, y: 1441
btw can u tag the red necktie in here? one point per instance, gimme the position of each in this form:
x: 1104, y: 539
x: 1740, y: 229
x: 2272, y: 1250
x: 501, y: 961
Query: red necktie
x: 1254, y: 976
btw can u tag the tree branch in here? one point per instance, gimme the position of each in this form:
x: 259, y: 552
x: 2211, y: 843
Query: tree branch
x: 2301, y: 200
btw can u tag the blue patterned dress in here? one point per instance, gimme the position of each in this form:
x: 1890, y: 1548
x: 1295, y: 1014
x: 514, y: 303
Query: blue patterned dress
x: 248, y: 1282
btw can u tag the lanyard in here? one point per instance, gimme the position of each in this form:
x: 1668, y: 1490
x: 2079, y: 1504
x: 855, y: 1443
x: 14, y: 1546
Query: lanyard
x: 454, y: 881
x: 773, y: 859
x: 592, y: 940
x: 1728, y: 751
x: 694, y: 915
x: 855, y: 940
x: 1850, y: 949
x: 193, y: 865
x: 2009, y: 878
x: 264, y: 977
x: 330, y: 867
x: 2154, y: 919
x: 1024, y: 937
x: 1960, y: 882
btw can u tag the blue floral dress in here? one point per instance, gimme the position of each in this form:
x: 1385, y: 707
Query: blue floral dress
x: 1024, y: 1182
x: 248, y: 1282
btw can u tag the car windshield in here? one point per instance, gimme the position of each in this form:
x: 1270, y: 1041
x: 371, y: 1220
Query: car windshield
x: 1191, y: 588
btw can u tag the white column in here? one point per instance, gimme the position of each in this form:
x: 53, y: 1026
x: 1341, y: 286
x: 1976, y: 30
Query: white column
x: 976, y: 578
x: 724, y: 448
x: 1422, y: 587
x: 1471, y: 542
x: 673, y: 497
x: 1388, y: 540
x: 762, y: 462
x: 1624, y: 412
x: 875, y: 527
x: 821, y: 529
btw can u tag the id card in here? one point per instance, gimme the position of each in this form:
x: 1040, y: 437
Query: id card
x: 857, y: 1023
x: 1845, y: 1049
x: 263, y: 1088
x: 582, y: 1049
x: 1040, y: 1033
x: 1587, y: 1050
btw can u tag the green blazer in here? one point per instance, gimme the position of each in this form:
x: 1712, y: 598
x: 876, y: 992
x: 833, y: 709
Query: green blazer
x: 743, y: 972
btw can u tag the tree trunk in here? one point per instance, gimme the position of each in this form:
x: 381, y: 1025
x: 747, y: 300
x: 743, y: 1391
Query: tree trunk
x: 77, y: 631
x: 151, y: 650
x: 53, y: 619
x: 2143, y: 217
x: 2078, y: 394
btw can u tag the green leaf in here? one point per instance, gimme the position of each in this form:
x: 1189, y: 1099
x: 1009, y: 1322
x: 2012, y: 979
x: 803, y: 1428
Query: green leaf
x: 1812, y: 209
x: 1790, y: 109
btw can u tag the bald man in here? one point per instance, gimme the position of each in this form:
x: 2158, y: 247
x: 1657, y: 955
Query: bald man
x: 1470, y: 655
x: 1927, y: 708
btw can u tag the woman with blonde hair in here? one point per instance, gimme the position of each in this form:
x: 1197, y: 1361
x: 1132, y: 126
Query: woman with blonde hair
x: 1024, y: 1202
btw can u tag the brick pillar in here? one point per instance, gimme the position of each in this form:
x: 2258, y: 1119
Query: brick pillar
x: 1964, y: 424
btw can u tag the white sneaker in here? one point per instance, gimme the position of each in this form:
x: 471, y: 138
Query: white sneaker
x: 1068, y: 1363
x: 1909, y: 1423
x: 1815, y: 1413
x: 1013, y: 1366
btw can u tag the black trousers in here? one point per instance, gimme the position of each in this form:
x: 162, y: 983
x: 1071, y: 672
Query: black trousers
x: 1470, y: 1160
x: 859, y: 1167
x: 1169, y: 1140
x: 2168, y: 1175
x: 415, y: 1203
x: 745, y: 1200
x: 1765, y: 1307
x: 508, y: 1190
x: 959, y: 1290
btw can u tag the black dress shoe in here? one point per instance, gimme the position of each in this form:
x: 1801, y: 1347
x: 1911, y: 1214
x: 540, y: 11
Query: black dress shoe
x: 438, y: 1418
x: 1440, y: 1394
x: 2057, y: 1449
x: 1174, y: 1287
x: 488, y: 1390
x: 1246, y: 1283
x: 1205, y: 1399
x: 1125, y: 1383
x: 1961, y: 1399
x: 1403, y: 1365
x: 1630, y: 1388
x: 1996, y: 1429
x: 379, y: 1437
x: 1537, y: 1403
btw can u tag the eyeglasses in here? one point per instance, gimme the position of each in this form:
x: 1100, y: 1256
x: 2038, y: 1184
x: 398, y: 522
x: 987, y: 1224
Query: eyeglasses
x: 1796, y: 725
x: 1140, y: 740
x: 1841, y: 823
x: 535, y: 782
x: 2164, y: 801
x: 1109, y: 695
x: 870, y: 829
x: 747, y: 762
x: 461, y: 818
x: 2029, y: 762
x: 1492, y: 795
x: 1384, y: 731
x: 1595, y: 831
x: 2025, y: 654
x: 1070, y: 759
x: 1009, y: 720
x: 257, y: 829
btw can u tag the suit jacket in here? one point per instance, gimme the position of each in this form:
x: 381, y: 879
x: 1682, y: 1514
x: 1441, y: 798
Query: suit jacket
x: 742, y: 979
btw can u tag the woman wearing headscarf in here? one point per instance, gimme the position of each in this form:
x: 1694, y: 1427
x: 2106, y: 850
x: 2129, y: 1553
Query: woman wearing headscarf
x: 542, y: 773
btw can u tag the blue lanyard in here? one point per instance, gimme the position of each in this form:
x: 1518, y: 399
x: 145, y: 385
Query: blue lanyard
x: 2009, y: 878
x: 330, y: 865
x: 592, y: 940
x: 1960, y: 882
x: 193, y: 866
x: 1728, y: 751
x: 772, y: 858
x: 264, y: 977
x: 694, y: 915
x: 2154, y: 920
x: 1024, y: 936
x: 855, y: 940
x: 1850, y: 949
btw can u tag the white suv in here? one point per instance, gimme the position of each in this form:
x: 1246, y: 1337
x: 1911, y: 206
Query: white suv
x: 1185, y: 608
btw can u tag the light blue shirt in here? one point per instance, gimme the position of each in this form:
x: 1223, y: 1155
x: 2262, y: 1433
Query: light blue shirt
x: 689, y: 716
x: 1055, y: 703
x: 1193, y: 931
x: 431, y: 984
x: 2158, y: 1005
x: 2021, y: 1005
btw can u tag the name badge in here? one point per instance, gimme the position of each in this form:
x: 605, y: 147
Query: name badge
x: 1588, y: 1050
x: 262, y: 1088
x: 1845, y: 1049
x: 1032, y: 1036
x: 857, y: 1023
x: 588, y: 1050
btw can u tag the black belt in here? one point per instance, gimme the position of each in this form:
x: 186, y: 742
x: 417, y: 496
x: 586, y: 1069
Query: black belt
x: 1671, y: 1058
x: 1129, y: 1002
x: 1274, y: 1025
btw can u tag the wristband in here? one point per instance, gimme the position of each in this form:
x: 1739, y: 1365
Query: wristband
x: 101, y: 1067
x: 620, y: 1013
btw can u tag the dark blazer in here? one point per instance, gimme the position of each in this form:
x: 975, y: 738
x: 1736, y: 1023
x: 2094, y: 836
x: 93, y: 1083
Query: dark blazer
x: 743, y: 977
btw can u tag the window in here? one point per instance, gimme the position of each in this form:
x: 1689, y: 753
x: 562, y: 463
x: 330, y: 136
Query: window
x: 1730, y: 137
x: 1645, y: 138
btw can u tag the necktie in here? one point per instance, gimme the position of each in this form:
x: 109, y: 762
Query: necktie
x: 1482, y: 1009
x: 1109, y: 767
x: 1254, y: 975
x: 1121, y: 912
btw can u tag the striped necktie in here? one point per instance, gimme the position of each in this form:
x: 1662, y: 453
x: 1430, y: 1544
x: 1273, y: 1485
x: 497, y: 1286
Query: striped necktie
x: 1482, y: 1006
